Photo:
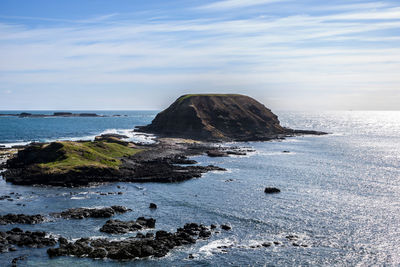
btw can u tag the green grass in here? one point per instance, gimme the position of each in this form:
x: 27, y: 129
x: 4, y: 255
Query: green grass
x: 78, y: 155
x: 191, y: 95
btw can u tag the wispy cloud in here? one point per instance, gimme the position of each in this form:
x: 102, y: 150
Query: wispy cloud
x: 230, y: 4
x: 350, y: 50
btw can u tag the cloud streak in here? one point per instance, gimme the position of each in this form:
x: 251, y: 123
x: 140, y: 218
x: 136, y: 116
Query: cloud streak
x: 268, y: 56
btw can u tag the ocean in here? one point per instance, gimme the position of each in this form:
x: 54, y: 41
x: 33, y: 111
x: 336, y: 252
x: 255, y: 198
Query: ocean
x: 340, y: 194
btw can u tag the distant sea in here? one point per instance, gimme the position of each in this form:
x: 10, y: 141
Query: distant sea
x: 340, y: 194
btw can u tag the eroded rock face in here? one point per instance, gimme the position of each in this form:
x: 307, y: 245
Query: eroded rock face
x: 81, y: 213
x: 20, y: 238
x: 217, y: 117
x: 131, y: 248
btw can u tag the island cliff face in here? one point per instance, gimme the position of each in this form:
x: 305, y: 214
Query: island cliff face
x: 218, y: 117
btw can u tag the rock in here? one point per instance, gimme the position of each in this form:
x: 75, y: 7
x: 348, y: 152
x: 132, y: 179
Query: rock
x: 226, y: 227
x: 285, y: 151
x: 21, y: 219
x: 98, y: 253
x: 81, y: 213
x: 18, y: 237
x: 271, y: 190
x: 153, y: 206
x: 292, y: 237
x: 62, y: 241
x: 266, y: 244
x: 122, y: 227
x: 218, y: 117
x: 131, y: 248
x: 16, y: 260
x: 216, y: 153
x: 213, y: 226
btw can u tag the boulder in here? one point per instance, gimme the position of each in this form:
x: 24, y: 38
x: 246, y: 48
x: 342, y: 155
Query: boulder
x: 271, y: 190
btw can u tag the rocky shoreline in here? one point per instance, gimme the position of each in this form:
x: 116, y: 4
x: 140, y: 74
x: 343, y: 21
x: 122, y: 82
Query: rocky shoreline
x: 165, y: 162
x: 142, y: 246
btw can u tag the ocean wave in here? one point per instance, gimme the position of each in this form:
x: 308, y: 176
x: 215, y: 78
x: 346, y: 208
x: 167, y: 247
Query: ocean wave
x: 132, y: 137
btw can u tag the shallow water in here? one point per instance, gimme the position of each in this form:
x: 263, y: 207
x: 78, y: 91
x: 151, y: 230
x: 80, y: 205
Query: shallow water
x: 340, y: 195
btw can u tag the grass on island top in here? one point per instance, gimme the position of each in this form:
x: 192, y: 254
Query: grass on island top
x: 191, y: 95
x: 78, y: 155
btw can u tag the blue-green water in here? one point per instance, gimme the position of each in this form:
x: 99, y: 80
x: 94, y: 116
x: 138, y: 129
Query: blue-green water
x: 340, y: 195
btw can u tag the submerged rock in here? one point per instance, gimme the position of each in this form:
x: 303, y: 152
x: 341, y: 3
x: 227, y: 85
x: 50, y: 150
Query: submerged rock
x: 131, y: 248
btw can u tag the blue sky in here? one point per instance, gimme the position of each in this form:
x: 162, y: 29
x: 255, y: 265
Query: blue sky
x: 120, y: 54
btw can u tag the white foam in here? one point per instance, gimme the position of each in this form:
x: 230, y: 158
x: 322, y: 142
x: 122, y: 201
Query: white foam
x: 213, y: 247
x: 132, y: 137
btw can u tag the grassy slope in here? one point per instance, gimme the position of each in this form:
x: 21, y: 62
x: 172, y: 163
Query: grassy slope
x: 78, y: 155
x: 191, y: 95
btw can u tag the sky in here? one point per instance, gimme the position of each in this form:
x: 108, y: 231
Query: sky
x: 127, y: 54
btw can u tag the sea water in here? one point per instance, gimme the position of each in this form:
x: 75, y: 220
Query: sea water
x: 340, y: 194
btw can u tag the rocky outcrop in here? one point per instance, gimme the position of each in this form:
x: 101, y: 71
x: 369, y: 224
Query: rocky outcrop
x: 122, y: 227
x: 20, y: 238
x: 21, y: 219
x: 131, y: 248
x: 81, y: 213
x: 219, y: 117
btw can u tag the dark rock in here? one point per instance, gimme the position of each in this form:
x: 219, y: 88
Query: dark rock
x: 236, y: 153
x: 81, y: 213
x: 285, y: 151
x: 18, y: 237
x: 266, y: 244
x: 21, y: 219
x: 16, y: 260
x: 98, y: 253
x: 62, y: 241
x: 121, y: 227
x: 226, y: 227
x: 153, y: 206
x: 292, y: 237
x: 271, y: 190
x: 130, y: 248
x: 140, y: 235
x: 216, y: 153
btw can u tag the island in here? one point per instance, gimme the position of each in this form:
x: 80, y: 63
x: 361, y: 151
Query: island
x: 190, y: 126
x: 219, y: 117
x: 55, y: 114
